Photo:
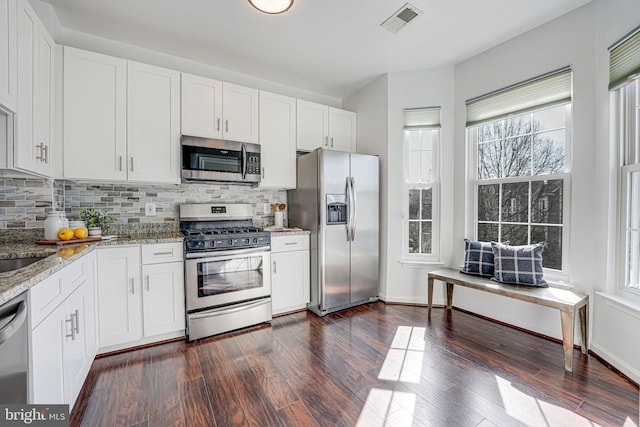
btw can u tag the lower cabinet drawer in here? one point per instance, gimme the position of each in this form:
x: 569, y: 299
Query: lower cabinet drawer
x: 296, y: 242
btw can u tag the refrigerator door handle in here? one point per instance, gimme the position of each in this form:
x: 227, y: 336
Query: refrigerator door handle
x: 349, y: 207
x: 354, y: 216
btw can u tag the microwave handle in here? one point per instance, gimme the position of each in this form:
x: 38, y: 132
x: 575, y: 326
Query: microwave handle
x: 243, y: 160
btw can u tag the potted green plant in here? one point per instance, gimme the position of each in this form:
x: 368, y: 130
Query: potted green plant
x: 96, y: 221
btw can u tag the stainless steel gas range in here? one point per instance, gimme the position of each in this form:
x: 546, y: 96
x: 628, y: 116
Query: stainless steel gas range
x: 227, y: 279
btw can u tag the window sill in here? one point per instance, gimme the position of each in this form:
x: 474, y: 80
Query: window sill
x: 420, y: 264
x: 621, y: 303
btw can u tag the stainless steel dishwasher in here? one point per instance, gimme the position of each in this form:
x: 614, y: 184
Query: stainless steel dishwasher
x: 13, y: 350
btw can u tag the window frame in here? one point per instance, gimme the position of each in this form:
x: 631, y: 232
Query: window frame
x: 626, y: 125
x: 473, y: 182
x: 434, y: 256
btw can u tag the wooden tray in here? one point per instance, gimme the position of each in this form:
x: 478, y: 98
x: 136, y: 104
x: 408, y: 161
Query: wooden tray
x: 68, y: 242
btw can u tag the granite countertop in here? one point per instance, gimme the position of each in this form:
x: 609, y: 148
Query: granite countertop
x: 287, y: 231
x: 55, y: 257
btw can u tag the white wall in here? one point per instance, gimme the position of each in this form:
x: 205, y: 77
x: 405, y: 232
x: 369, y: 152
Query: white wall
x: 615, y: 322
x: 567, y: 40
x: 379, y: 106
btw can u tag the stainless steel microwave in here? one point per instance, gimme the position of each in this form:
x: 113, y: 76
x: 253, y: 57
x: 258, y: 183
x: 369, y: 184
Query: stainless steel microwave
x: 205, y: 159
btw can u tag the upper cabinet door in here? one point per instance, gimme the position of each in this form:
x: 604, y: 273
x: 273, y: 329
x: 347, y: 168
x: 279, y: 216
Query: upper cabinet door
x: 44, y: 100
x: 35, y: 59
x: 342, y: 126
x: 201, y: 106
x: 240, y: 113
x: 277, y: 140
x: 8, y: 54
x: 95, y: 116
x: 153, y: 123
x: 313, y: 125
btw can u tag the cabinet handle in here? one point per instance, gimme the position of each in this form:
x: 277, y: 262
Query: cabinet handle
x: 133, y: 290
x: 163, y: 253
x: 45, y: 148
x: 326, y: 141
x: 218, y: 124
x: 291, y: 243
x: 263, y: 172
x: 131, y: 163
x: 331, y: 142
x: 72, y: 335
x: 77, y: 316
x: 274, y: 268
x: 40, y: 156
x: 120, y: 163
x: 226, y: 125
x: 147, y: 281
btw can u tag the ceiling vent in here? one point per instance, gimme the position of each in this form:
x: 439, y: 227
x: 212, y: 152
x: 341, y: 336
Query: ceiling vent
x: 401, y: 17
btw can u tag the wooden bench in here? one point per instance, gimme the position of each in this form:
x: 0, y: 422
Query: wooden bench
x: 567, y: 301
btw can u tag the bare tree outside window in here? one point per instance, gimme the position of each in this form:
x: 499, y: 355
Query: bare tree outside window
x: 520, y: 192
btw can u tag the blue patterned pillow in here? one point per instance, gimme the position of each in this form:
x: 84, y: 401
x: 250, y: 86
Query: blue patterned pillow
x: 478, y: 258
x: 518, y: 265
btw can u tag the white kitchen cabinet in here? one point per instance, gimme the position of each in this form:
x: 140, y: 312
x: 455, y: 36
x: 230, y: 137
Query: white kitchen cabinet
x: 121, y: 119
x: 119, y: 295
x: 153, y: 123
x: 290, y: 272
x: 63, y: 330
x: 277, y: 140
x: 8, y: 54
x: 215, y: 109
x: 95, y: 116
x: 201, y: 106
x: 240, y: 113
x: 140, y: 295
x: 320, y: 126
x: 164, y: 308
x: 342, y: 130
x: 35, y: 59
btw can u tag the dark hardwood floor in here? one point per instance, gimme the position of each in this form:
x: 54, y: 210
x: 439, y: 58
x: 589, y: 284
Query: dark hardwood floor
x: 374, y: 365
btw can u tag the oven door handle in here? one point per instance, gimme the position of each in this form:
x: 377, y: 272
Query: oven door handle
x: 217, y: 254
x: 226, y: 310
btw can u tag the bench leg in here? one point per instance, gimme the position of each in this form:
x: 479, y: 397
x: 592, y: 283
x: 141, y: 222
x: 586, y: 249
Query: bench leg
x: 583, y: 328
x: 567, y: 320
x: 449, y: 296
x: 429, y: 295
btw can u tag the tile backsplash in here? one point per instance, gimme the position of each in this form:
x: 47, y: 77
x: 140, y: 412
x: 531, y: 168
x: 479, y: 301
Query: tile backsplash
x: 24, y: 202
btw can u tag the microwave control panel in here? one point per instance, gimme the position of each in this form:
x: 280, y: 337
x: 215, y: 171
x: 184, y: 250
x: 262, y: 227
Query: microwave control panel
x: 253, y: 163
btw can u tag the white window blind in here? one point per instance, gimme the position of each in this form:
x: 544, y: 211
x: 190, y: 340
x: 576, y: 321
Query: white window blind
x: 624, y: 60
x: 548, y: 89
x: 421, y: 117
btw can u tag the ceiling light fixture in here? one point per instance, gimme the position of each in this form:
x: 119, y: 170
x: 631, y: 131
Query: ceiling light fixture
x: 272, y: 7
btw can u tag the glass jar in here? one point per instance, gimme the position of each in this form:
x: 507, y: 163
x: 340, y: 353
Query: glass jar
x: 55, y: 222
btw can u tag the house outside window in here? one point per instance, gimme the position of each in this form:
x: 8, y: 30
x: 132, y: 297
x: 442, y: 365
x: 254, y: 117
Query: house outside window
x: 519, y: 142
x: 421, y: 184
x: 624, y: 74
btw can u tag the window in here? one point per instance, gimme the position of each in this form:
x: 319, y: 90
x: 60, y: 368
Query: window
x: 421, y: 141
x: 520, y: 161
x: 625, y: 87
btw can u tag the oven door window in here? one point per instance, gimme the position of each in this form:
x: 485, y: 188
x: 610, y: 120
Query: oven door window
x: 212, y: 159
x: 229, y: 275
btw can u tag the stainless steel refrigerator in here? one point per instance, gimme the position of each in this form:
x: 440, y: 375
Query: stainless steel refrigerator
x: 337, y: 199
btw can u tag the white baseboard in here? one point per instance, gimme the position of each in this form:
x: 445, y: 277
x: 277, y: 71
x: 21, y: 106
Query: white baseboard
x: 616, y: 362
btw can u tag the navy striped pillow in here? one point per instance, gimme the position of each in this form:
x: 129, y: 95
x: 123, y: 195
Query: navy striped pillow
x: 478, y: 258
x: 518, y: 265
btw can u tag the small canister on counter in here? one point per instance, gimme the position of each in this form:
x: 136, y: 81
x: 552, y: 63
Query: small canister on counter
x: 55, y: 222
